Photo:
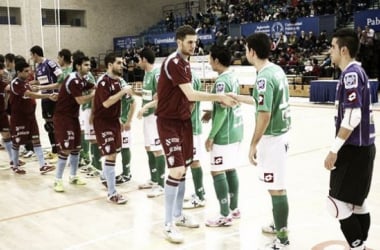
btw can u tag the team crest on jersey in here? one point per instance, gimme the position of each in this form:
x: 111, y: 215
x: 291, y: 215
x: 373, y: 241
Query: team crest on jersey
x: 66, y: 144
x: 171, y: 160
x: 17, y: 139
x: 157, y: 142
x: 218, y: 160
x: 261, y: 84
x: 351, y: 96
x: 175, y: 60
x: 220, y: 86
x: 268, y: 177
x: 350, y: 80
x: 103, y: 83
x: 107, y: 148
x: 261, y: 100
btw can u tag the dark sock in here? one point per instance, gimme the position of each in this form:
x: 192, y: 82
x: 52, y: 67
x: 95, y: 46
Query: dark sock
x: 352, y: 231
x: 152, y: 167
x: 233, y: 187
x: 197, y: 174
x: 221, y: 190
x: 280, y: 216
x: 160, y: 166
x: 126, y: 160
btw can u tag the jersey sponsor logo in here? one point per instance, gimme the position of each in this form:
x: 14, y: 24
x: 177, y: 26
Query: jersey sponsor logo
x: 261, y: 84
x: 220, y: 86
x: 350, y: 80
x: 171, y: 140
x: 268, y: 177
x: 218, y: 160
x: 351, y: 96
x: 261, y: 100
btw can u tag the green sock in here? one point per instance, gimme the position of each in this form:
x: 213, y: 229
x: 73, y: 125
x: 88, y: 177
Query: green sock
x: 152, y: 166
x: 96, y: 156
x: 84, y: 152
x: 197, y: 174
x: 221, y: 190
x: 160, y: 166
x: 126, y: 160
x: 233, y: 187
x: 280, y: 216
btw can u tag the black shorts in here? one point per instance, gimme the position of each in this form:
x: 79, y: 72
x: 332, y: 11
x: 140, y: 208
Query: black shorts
x: 48, y: 107
x: 351, y: 180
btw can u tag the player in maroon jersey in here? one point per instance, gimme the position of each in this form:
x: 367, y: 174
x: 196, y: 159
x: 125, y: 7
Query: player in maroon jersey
x: 175, y: 100
x: 106, y: 113
x: 66, y: 120
x: 23, y: 120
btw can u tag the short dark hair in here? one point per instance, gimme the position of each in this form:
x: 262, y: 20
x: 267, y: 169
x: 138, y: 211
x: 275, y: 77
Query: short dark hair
x: 260, y: 43
x: 2, y: 66
x: 110, y: 58
x: 10, y: 57
x: 37, y: 50
x: 222, y: 53
x: 66, y: 55
x: 21, y: 65
x: 183, y: 31
x: 78, y: 60
x: 347, y: 37
x: 148, y: 54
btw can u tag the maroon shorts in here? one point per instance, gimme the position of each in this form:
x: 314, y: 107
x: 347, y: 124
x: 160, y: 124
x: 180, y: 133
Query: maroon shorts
x: 67, y: 132
x: 176, y: 138
x: 4, y: 122
x: 108, y: 136
x: 24, y: 129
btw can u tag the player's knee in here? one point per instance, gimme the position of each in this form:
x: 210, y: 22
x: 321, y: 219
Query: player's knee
x: 338, y: 209
x: 177, y: 172
x: 363, y: 209
x: 49, y: 127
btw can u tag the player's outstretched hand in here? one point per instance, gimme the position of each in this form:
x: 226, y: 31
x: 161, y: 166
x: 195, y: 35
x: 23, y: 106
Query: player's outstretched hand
x: 229, y: 101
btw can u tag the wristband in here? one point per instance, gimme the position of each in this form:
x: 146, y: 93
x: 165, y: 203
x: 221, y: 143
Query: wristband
x: 338, y: 143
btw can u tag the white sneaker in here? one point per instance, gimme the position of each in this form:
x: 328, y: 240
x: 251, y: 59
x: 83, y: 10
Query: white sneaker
x: 186, y: 221
x: 194, y: 202
x: 276, y: 244
x: 172, y: 234
x: 28, y: 154
x: 221, y: 221
x: 156, y: 191
x: 269, y: 229
x: 147, y: 185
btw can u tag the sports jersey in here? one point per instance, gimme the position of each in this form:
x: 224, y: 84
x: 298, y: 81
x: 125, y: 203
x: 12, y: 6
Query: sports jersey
x: 149, y: 88
x: 65, y: 72
x: 172, y: 102
x: 227, y: 123
x: 271, y: 94
x: 22, y: 106
x: 47, y: 72
x: 106, y: 87
x: 195, y: 115
x: 72, y: 87
x: 353, y: 91
x: 125, y: 104
x: 91, y: 79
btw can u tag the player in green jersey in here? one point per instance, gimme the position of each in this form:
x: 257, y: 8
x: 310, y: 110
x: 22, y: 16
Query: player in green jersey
x: 153, y: 147
x: 269, y: 144
x: 224, y: 140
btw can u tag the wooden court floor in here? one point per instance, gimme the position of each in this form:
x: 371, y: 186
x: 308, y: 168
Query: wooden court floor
x: 33, y: 216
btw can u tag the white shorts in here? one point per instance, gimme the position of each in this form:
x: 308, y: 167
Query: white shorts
x: 198, y: 147
x: 271, y: 158
x: 342, y: 210
x: 223, y: 157
x: 151, y: 138
x: 126, y: 139
x: 89, y: 132
x: 82, y: 117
